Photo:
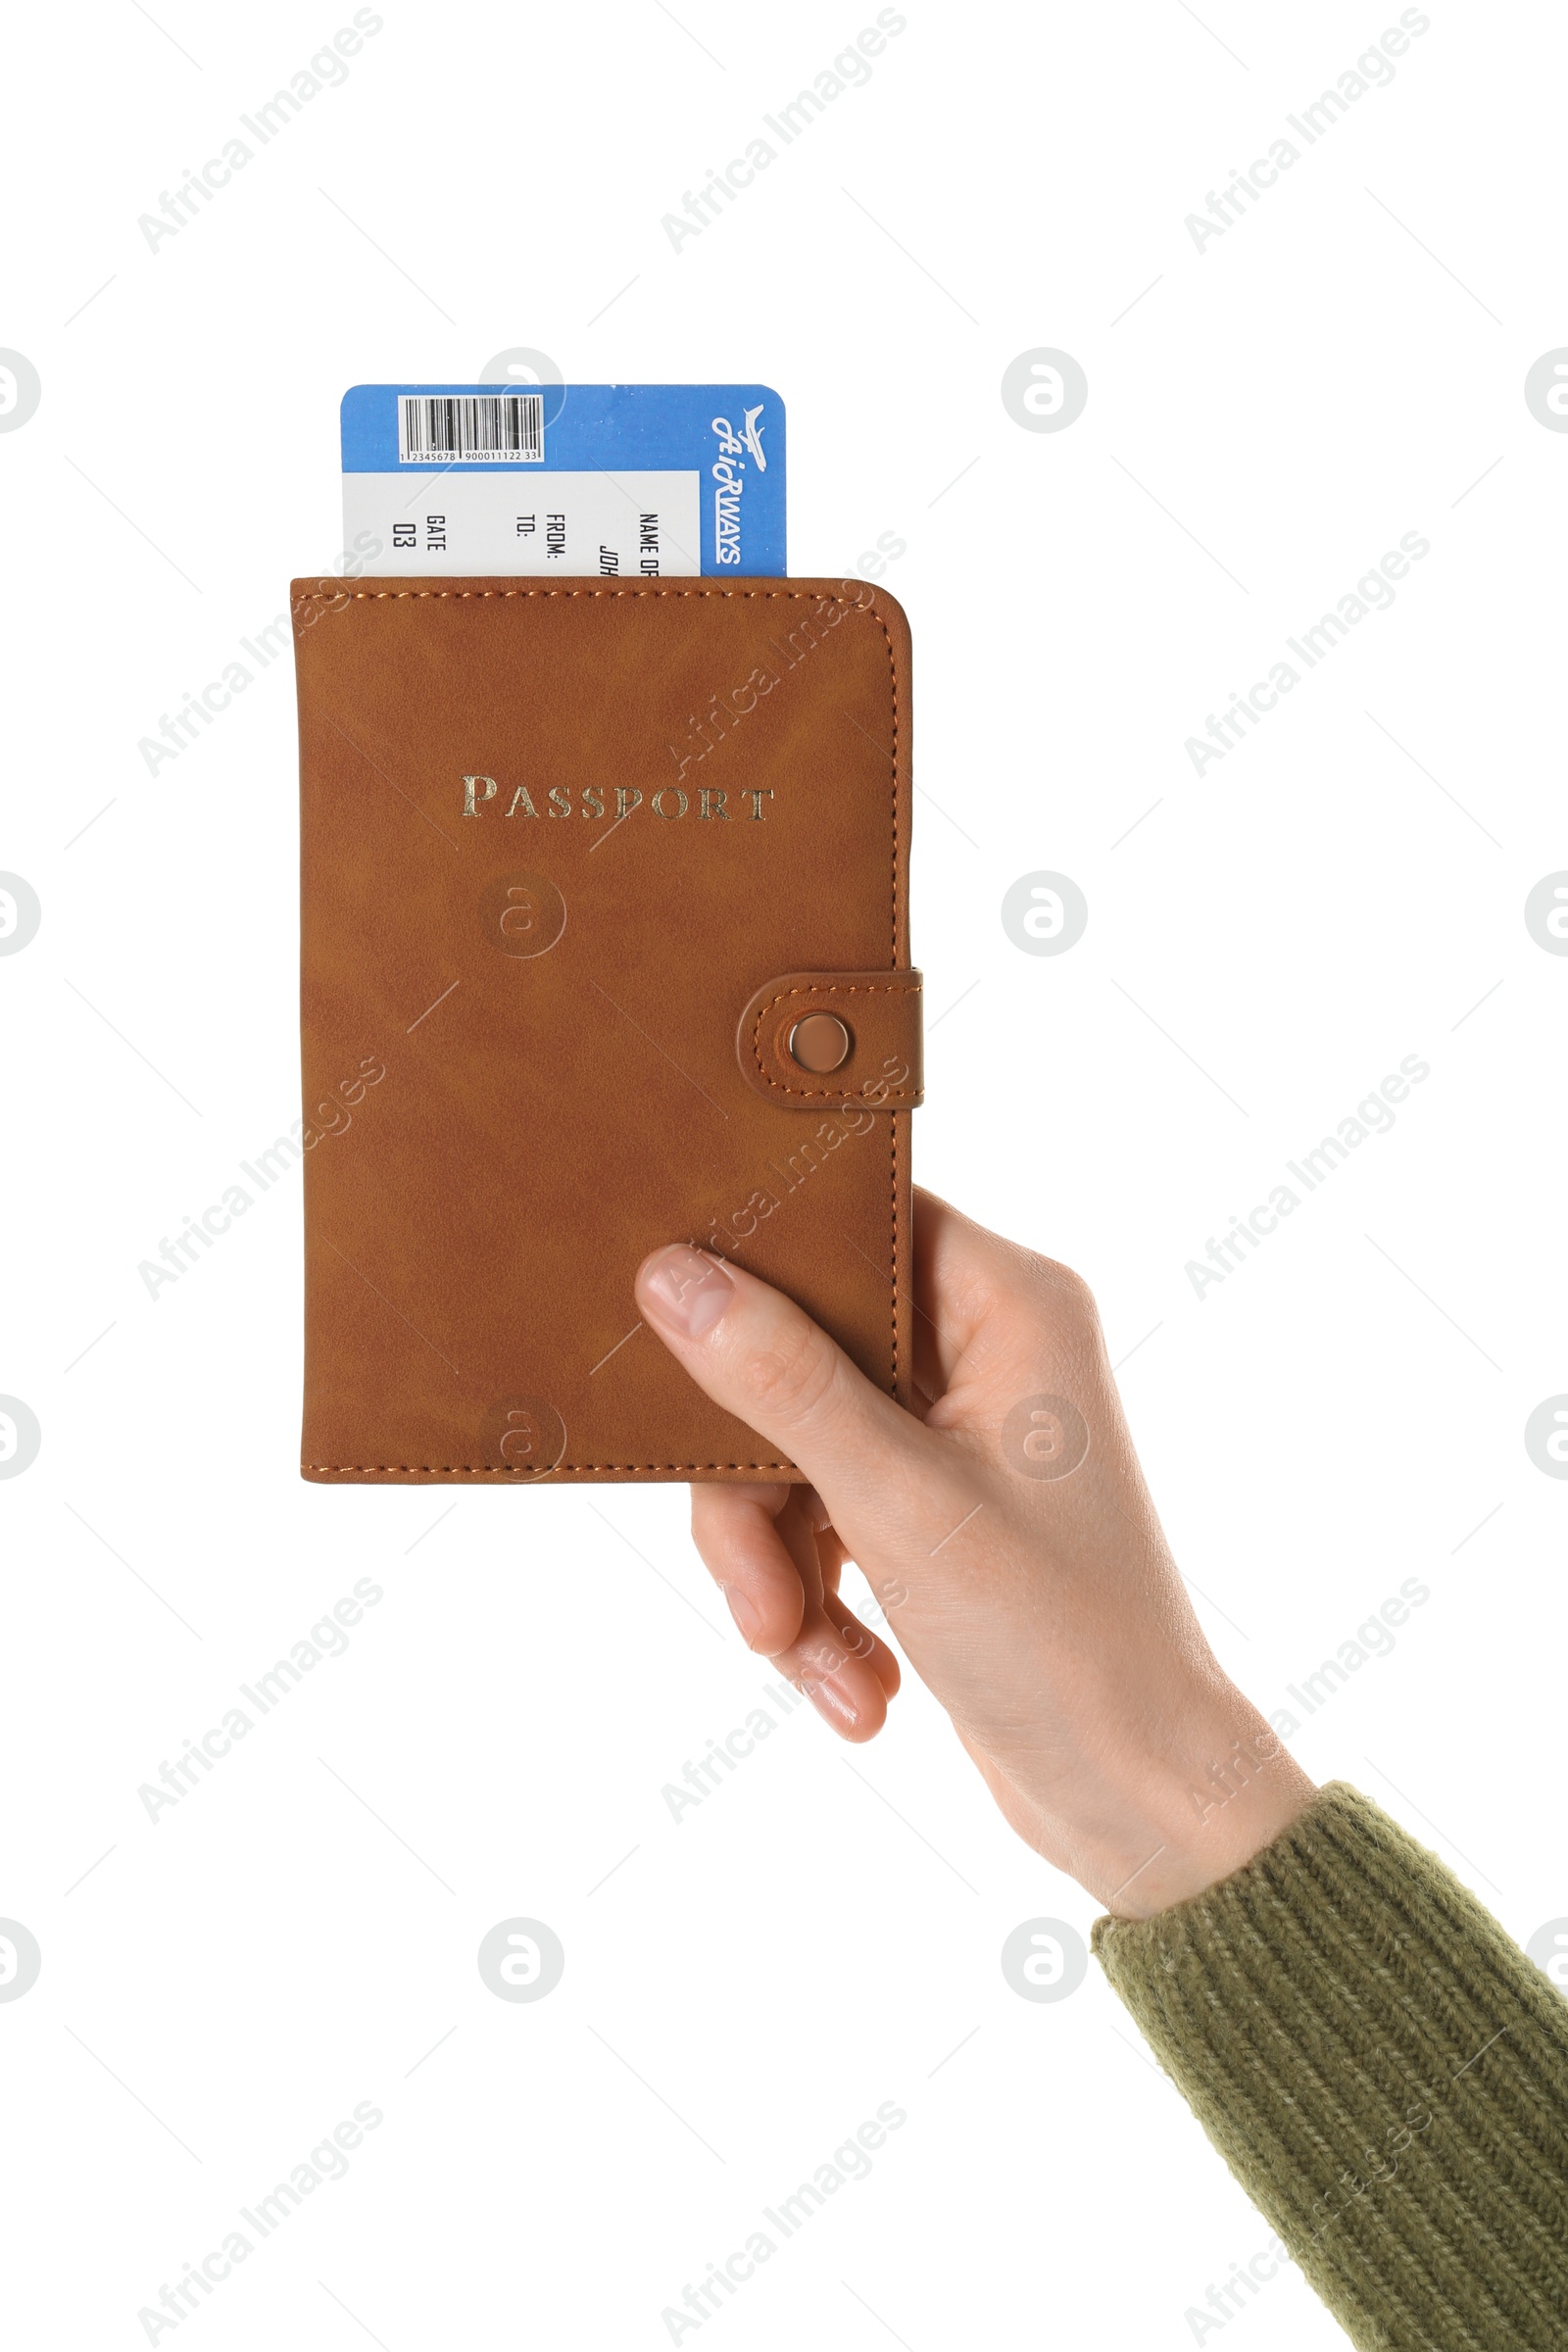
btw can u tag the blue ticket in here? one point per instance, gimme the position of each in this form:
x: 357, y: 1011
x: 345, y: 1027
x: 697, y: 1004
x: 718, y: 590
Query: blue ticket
x: 619, y: 480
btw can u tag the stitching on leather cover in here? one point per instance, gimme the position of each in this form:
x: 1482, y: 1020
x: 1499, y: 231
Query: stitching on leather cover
x: 528, y: 1477
x: 893, y: 1237
x: 797, y: 595
x: 462, y: 596
x: 829, y: 988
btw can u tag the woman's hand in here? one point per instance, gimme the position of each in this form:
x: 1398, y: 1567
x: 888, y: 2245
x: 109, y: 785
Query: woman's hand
x: 1005, y: 1531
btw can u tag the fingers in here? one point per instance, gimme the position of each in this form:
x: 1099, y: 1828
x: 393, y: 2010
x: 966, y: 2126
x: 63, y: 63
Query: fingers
x: 837, y: 1666
x: 896, y: 1490
x: 733, y: 1529
x: 957, y: 1263
x: 862, y: 1643
x: 755, y: 1352
x: 995, y: 1321
x: 762, y: 1546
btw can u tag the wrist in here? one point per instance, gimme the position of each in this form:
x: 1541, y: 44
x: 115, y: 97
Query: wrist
x: 1223, y: 1786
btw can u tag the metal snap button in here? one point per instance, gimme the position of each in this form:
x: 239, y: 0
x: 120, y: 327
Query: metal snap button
x: 820, y: 1043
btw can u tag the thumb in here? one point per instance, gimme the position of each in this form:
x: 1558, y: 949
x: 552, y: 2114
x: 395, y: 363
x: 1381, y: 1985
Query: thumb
x: 760, y: 1356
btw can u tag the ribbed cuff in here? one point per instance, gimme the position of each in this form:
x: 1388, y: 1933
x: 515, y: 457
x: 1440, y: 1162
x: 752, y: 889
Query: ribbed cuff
x: 1383, y: 2070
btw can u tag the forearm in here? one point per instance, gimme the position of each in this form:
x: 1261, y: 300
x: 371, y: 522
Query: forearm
x: 1383, y: 2070
x: 1386, y: 2073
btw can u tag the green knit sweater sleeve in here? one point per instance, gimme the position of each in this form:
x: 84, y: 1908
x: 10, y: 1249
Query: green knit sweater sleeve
x: 1383, y: 2070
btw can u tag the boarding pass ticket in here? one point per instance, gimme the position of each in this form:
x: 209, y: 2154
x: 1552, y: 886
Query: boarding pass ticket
x: 615, y: 480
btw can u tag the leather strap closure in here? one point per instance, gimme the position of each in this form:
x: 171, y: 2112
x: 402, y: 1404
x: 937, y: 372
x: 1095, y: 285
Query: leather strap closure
x: 882, y: 1066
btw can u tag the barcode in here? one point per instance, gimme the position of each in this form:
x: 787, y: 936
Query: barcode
x: 471, y: 429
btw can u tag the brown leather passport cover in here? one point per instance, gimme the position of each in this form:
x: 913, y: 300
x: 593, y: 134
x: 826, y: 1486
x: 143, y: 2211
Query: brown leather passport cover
x: 578, y: 856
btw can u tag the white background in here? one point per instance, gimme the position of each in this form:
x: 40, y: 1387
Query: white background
x: 1342, y: 367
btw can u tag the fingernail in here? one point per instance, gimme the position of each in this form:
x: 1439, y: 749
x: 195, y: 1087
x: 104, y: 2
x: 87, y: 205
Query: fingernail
x: 686, y: 1291
x: 746, y: 1618
x: 831, y: 1700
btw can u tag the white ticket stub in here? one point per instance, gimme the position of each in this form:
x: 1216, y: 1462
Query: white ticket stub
x: 523, y: 521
